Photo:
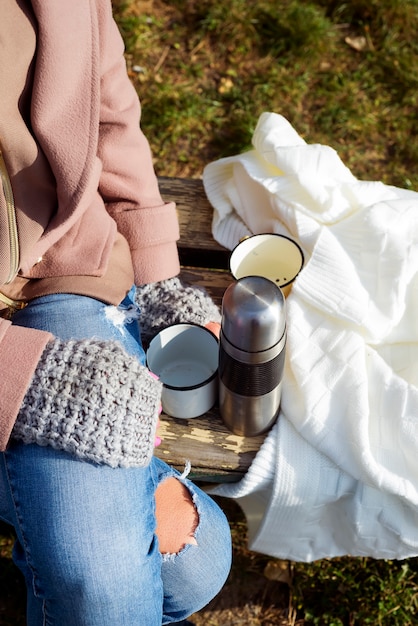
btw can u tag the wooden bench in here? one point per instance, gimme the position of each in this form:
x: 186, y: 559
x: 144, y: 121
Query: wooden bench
x: 215, y: 453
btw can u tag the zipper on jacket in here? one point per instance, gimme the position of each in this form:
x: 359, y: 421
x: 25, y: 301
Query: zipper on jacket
x: 10, y: 306
x: 11, y: 219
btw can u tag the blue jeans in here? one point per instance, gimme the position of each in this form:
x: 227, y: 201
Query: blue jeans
x: 86, y: 539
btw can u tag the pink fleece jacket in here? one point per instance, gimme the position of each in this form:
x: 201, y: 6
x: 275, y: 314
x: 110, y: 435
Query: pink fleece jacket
x: 85, y: 115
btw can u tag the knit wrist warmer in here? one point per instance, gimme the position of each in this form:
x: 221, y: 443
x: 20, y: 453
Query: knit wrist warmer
x: 93, y: 400
x: 171, y: 302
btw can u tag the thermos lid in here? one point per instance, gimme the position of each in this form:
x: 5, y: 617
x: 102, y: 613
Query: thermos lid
x: 253, y: 314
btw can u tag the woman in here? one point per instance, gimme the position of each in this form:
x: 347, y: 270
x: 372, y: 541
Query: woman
x: 106, y: 533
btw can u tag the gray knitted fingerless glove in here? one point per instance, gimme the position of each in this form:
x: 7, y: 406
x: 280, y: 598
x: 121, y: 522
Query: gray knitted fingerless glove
x: 93, y: 400
x: 171, y: 302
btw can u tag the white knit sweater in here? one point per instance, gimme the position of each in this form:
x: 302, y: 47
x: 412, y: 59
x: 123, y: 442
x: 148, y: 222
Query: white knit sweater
x: 338, y: 474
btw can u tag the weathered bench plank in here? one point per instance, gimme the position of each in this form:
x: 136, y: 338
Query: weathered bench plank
x: 196, y: 246
x: 194, y: 212
x: 216, y: 454
x: 215, y: 281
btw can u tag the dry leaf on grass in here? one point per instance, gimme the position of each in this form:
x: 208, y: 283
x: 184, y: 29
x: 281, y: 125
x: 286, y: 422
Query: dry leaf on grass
x: 357, y: 43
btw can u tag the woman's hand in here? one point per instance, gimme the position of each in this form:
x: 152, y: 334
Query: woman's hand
x: 214, y: 327
x: 93, y: 400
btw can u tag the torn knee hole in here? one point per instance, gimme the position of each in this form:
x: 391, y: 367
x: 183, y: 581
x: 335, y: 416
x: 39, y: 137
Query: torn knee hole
x: 176, y: 515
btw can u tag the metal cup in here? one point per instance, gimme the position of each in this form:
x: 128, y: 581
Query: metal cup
x: 185, y: 358
x: 273, y: 256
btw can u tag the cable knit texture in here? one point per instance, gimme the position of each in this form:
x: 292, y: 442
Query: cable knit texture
x: 171, y: 302
x: 93, y: 400
x: 338, y: 473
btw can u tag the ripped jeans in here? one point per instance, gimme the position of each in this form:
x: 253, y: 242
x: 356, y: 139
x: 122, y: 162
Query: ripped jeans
x: 86, y: 540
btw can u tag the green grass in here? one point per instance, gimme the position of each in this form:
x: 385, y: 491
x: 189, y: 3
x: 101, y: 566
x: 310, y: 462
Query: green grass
x: 347, y: 591
x: 209, y: 69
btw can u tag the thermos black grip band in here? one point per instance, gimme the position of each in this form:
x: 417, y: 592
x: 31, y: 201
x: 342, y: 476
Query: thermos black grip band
x: 250, y: 379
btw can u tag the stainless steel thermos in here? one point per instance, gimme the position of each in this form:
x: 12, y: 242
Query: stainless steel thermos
x: 251, y: 355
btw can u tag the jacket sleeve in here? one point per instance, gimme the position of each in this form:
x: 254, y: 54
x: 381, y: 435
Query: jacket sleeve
x: 20, y: 351
x: 128, y: 182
